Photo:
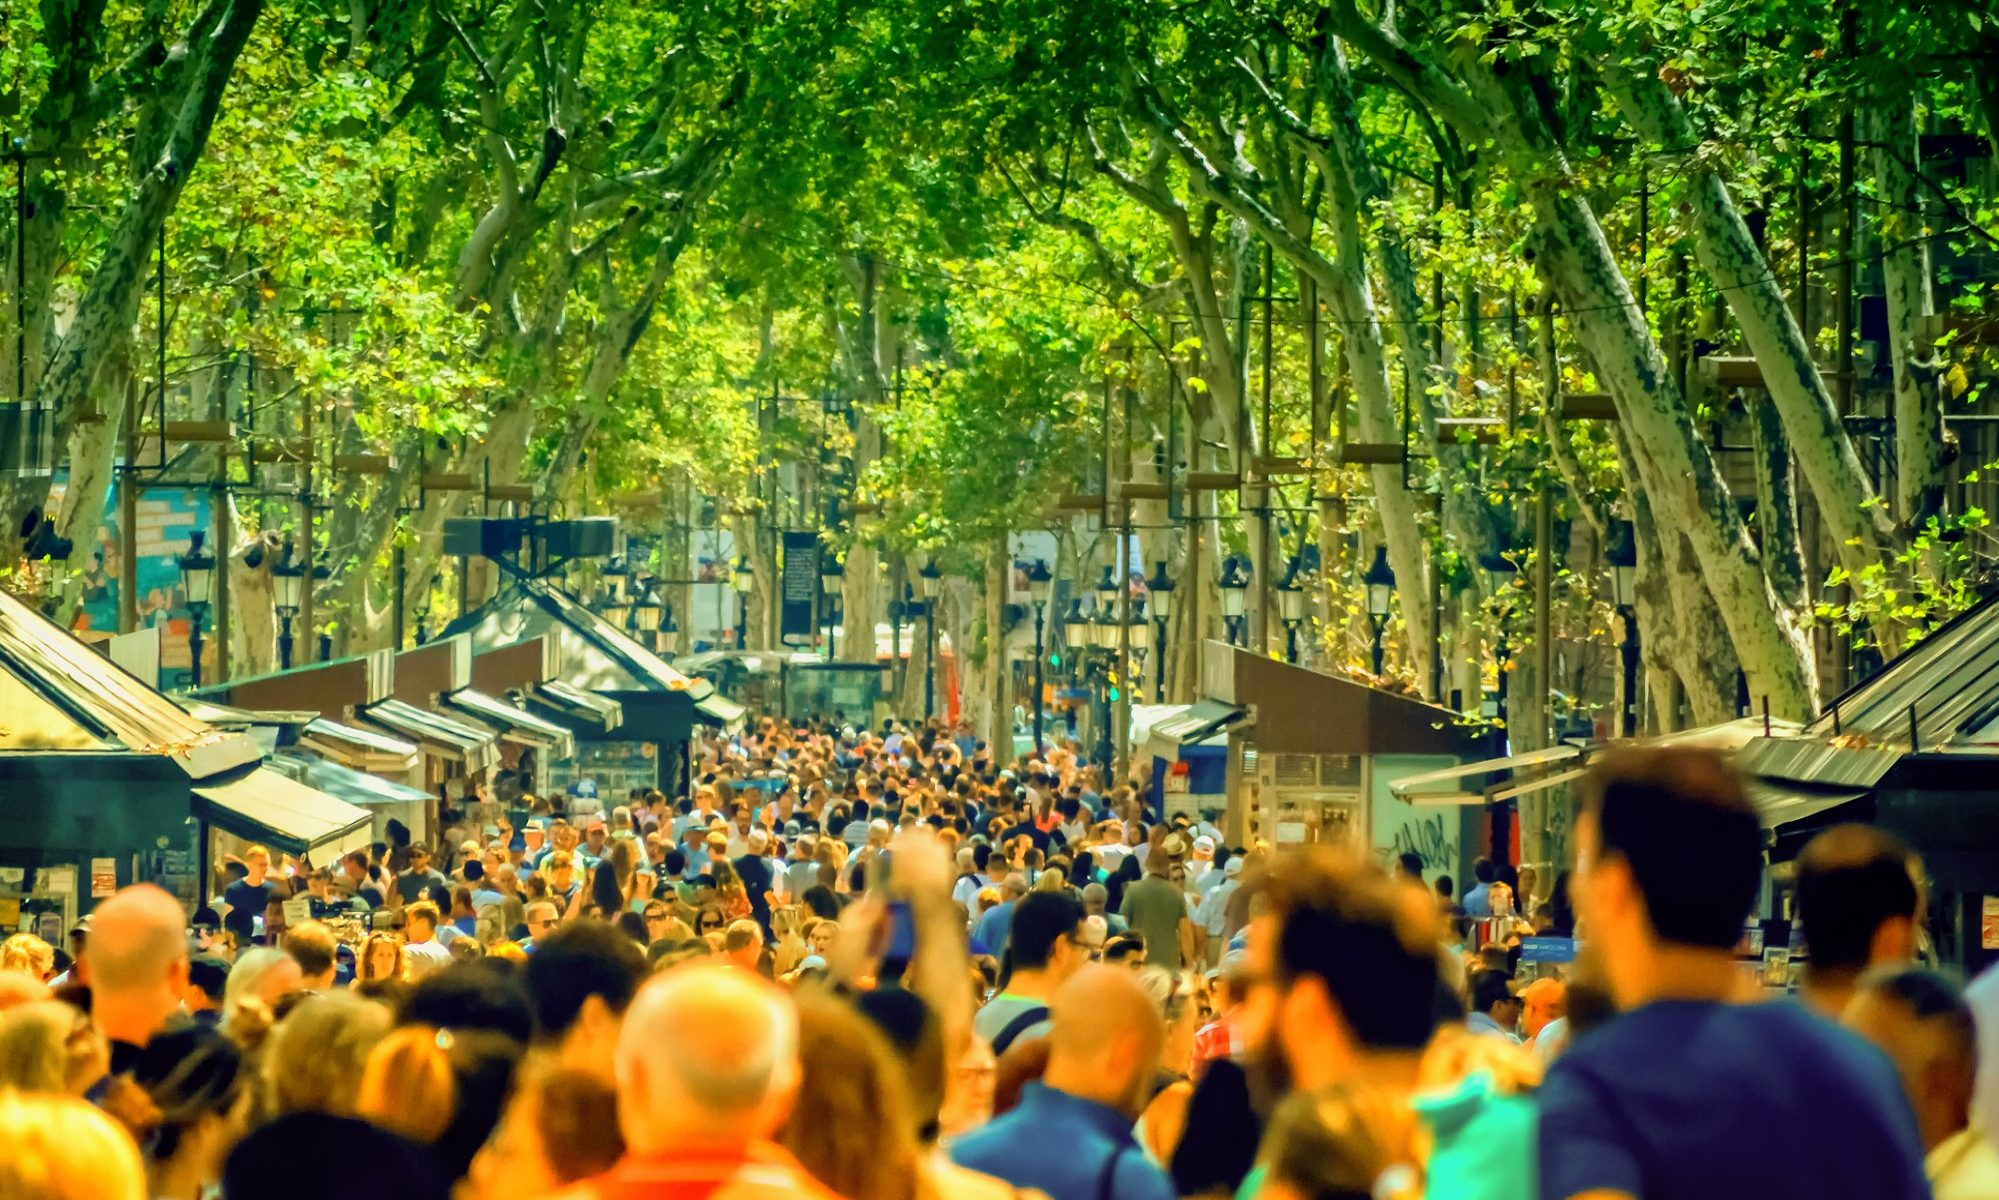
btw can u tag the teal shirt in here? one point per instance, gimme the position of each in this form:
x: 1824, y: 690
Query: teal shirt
x: 1484, y: 1142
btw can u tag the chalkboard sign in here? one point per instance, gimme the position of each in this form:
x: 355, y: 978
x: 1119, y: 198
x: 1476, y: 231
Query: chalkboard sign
x: 798, y: 588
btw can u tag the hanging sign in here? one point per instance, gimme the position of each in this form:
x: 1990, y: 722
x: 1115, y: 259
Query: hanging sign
x: 798, y: 588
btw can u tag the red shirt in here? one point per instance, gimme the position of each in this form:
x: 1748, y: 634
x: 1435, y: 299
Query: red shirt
x: 706, y: 1171
x: 1216, y: 1039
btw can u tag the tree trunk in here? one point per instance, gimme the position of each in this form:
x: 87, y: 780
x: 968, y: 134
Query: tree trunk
x: 1823, y: 451
x: 1889, y: 129
x: 1777, y: 504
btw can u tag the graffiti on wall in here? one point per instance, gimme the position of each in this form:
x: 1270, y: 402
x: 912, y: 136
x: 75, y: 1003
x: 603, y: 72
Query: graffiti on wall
x: 1430, y: 838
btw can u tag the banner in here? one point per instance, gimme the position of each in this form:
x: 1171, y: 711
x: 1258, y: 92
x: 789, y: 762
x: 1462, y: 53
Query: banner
x: 798, y: 589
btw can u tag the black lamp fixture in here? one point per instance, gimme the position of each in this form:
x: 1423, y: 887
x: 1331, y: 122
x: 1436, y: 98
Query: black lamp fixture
x: 197, y: 577
x: 743, y: 579
x: 1380, y: 581
x: 1233, y: 583
x: 1620, y: 552
x: 1291, y: 599
x: 287, y: 586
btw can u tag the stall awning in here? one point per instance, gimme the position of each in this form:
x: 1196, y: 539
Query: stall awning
x: 514, y: 724
x: 361, y: 749
x: 1781, y: 804
x: 723, y: 713
x: 456, y: 741
x: 1422, y: 789
x: 264, y: 806
x: 574, y: 704
x: 1202, y: 720
x: 345, y: 783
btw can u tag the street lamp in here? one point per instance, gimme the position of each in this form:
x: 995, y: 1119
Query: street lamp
x: 1380, y: 581
x: 1107, y: 627
x: 197, y: 577
x: 1621, y: 552
x: 287, y: 581
x: 1291, y: 601
x: 831, y: 573
x: 1500, y: 573
x: 1233, y: 582
x: 1039, y: 582
x: 1160, y: 588
x: 646, y: 615
x: 615, y: 574
x: 931, y: 581
x: 742, y: 579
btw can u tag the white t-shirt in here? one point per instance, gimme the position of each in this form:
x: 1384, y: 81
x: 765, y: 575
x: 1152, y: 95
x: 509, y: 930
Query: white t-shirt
x: 422, y: 958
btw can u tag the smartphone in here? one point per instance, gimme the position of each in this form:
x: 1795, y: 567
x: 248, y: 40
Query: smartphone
x: 901, y: 935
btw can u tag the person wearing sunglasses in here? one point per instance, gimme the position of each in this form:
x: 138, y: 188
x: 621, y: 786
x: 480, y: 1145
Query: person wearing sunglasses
x: 662, y: 925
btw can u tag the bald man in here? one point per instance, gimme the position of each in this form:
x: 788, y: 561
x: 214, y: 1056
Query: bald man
x: 136, y: 961
x: 1920, y: 1019
x: 1071, y: 1134
x: 707, y: 1068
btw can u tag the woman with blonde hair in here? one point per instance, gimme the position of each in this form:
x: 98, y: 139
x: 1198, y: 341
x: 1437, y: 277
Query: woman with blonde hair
x: 49, y: 1046
x: 633, y: 884
x: 315, y: 1057
x: 30, y: 955
x: 407, y: 1086
x: 61, y: 1148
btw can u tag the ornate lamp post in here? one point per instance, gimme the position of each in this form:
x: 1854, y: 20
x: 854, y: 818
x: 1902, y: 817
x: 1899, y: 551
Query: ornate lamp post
x: 1621, y: 553
x: 1380, y: 581
x: 197, y: 577
x: 287, y: 581
x: 1039, y: 583
x: 1291, y: 605
x: 1160, y: 588
x: 831, y: 573
x: 1234, y: 581
x: 931, y: 580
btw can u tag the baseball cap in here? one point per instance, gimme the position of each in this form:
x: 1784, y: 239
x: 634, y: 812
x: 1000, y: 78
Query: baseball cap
x: 584, y: 789
x: 1234, y: 965
x: 594, y: 823
x: 1204, y: 844
x: 1232, y: 869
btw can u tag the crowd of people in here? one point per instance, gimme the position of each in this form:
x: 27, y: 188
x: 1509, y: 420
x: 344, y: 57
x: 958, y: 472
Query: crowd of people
x: 894, y: 966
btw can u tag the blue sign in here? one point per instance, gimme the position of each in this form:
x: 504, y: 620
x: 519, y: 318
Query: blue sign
x: 1547, y: 950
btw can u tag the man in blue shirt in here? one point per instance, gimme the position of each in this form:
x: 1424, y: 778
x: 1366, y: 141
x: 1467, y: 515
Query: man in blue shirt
x: 1679, y: 1098
x: 1071, y: 1134
x: 1478, y: 901
x: 993, y: 927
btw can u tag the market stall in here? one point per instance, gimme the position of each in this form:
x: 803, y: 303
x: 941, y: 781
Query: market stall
x: 1310, y: 755
x: 105, y: 782
x: 1915, y: 749
x: 644, y: 744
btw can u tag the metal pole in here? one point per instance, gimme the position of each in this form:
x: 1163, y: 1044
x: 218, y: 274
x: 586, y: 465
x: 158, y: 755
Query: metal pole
x: 195, y: 614
x: 1039, y: 615
x: 1113, y: 759
x: 285, y: 640
x: 1378, y: 648
x: 1628, y: 648
x: 930, y: 658
x: 1544, y: 616
x: 1159, y: 672
x: 399, y: 569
